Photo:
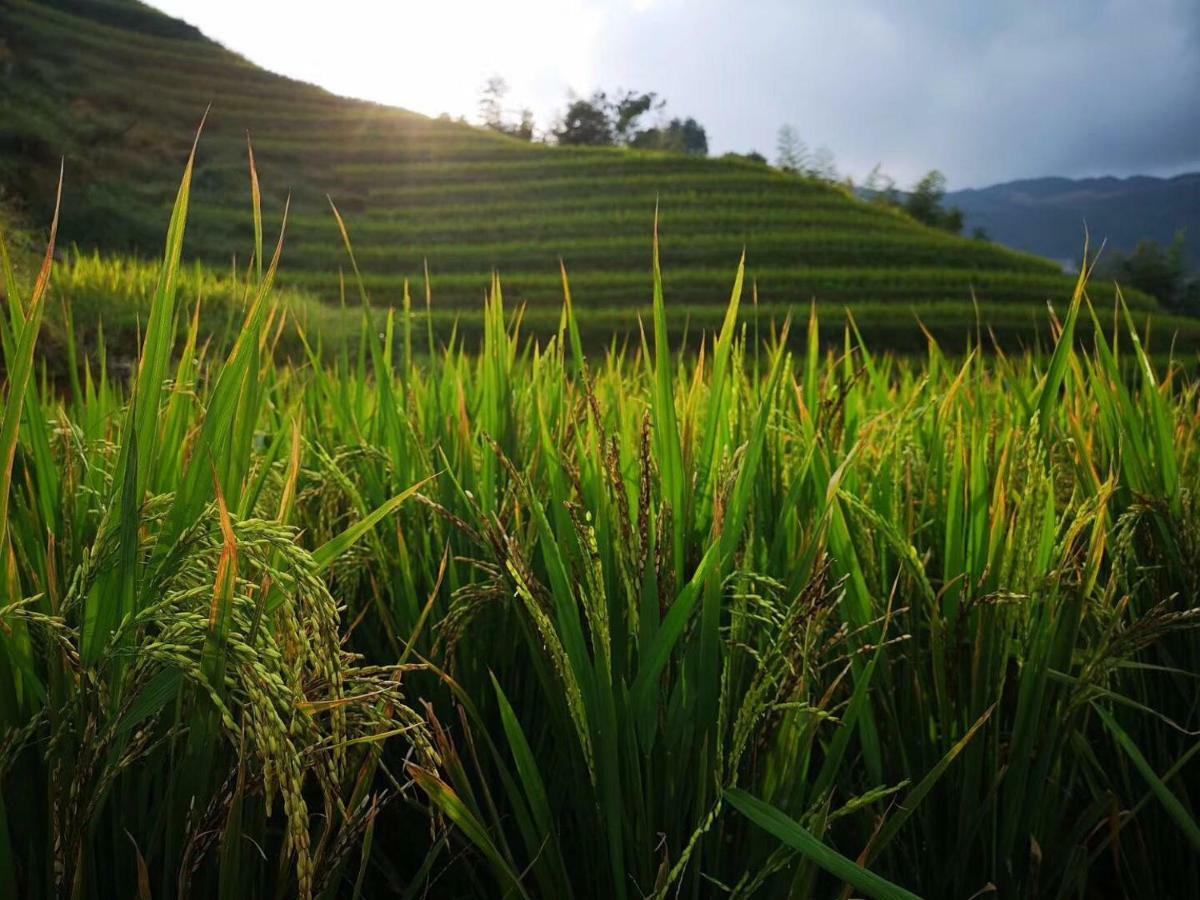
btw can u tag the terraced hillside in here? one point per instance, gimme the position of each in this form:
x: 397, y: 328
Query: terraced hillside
x: 118, y: 88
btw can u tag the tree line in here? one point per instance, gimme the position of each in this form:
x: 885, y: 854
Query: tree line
x: 1162, y: 272
x: 599, y: 120
x: 637, y: 119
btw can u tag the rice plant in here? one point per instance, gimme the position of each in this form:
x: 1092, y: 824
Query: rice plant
x: 180, y: 712
x: 741, y: 615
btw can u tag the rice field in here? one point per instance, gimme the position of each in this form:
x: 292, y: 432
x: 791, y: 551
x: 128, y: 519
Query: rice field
x: 117, y: 87
x: 750, y: 616
x: 98, y: 305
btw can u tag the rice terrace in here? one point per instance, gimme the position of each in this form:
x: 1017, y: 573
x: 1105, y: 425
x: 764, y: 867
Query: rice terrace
x: 570, y: 501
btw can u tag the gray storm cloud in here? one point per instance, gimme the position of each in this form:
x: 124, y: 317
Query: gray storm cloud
x: 985, y: 92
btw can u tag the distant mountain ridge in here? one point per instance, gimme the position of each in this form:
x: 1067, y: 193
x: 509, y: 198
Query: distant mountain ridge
x: 1047, y: 216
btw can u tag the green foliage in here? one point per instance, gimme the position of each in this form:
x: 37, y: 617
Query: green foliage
x: 494, y: 116
x: 752, y: 157
x: 116, y: 99
x: 760, y: 619
x: 1159, y: 271
x: 600, y: 122
x: 627, y: 110
x: 587, y: 122
x: 924, y: 203
x: 109, y: 300
x: 677, y: 136
x: 792, y: 155
x: 186, y: 670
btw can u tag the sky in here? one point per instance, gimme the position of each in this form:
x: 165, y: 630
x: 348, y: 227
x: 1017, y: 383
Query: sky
x: 985, y: 91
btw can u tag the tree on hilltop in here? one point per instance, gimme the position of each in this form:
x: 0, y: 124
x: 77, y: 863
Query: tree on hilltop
x: 678, y: 135
x: 492, y: 112
x: 924, y: 204
x: 753, y: 156
x: 791, y: 153
x: 880, y: 187
x: 822, y: 165
x: 600, y: 121
x: 586, y: 122
x: 628, y: 111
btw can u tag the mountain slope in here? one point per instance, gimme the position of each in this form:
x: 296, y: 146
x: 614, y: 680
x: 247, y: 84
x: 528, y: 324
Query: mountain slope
x: 117, y: 89
x: 1048, y: 215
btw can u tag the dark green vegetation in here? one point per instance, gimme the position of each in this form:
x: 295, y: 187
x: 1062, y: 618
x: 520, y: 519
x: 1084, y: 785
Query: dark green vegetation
x: 117, y: 88
x: 510, y: 623
x: 925, y: 204
x: 1162, y: 272
x: 599, y: 121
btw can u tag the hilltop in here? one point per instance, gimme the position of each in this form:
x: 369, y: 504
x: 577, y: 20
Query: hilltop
x: 117, y: 89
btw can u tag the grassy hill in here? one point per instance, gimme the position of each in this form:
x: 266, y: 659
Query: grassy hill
x: 117, y: 89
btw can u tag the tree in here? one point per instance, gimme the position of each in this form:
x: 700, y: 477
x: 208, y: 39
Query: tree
x: 523, y: 129
x: 822, y: 165
x: 791, y: 153
x: 626, y: 112
x: 1190, y: 301
x: 924, y: 204
x: 692, y: 136
x: 586, y: 122
x: 492, y: 115
x: 1159, y: 271
x: 679, y: 136
x: 491, y: 103
x: 753, y: 156
x: 881, y: 187
x: 599, y: 121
